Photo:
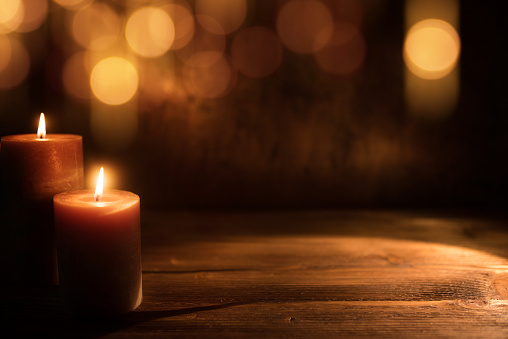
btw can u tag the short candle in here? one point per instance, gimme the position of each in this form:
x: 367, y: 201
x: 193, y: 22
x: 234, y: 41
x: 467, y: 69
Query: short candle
x: 99, y: 251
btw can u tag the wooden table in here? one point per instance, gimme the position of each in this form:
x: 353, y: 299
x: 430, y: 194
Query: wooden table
x: 300, y: 274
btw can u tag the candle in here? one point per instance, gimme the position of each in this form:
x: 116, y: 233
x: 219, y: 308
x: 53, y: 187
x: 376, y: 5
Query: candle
x: 99, y: 251
x: 35, y: 167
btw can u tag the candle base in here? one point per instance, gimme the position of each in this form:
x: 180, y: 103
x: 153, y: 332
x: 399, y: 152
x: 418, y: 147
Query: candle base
x: 90, y: 307
x: 99, y: 294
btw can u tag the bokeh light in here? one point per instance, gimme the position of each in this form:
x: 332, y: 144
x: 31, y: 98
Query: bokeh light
x: 35, y: 13
x: 345, y: 52
x: 15, y: 72
x: 9, y: 9
x: 230, y: 14
x: 5, y: 52
x: 133, y: 3
x: 432, y: 100
x: 256, y: 52
x: 114, y: 80
x: 183, y: 20
x: 73, y: 4
x: 203, y: 41
x: 153, y: 86
x: 11, y: 15
x: 76, y: 76
x: 347, y: 11
x: 431, y: 49
x: 418, y: 10
x: 304, y: 26
x: 208, y: 75
x: 150, y: 31
x: 96, y: 27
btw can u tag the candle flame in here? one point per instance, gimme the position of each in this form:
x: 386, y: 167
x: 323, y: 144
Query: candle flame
x: 41, y: 131
x: 100, y: 185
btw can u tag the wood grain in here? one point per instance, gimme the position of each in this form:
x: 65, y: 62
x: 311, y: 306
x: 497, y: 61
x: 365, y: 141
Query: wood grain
x: 301, y: 274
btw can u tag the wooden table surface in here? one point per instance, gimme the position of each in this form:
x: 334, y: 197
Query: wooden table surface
x: 300, y: 274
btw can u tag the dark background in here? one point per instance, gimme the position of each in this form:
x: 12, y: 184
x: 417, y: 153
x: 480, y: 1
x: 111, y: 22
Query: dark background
x: 301, y: 138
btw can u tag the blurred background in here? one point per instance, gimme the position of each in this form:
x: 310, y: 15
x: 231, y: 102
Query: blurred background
x: 268, y: 104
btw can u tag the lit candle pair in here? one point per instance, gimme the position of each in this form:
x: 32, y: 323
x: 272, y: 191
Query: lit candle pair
x: 97, y: 234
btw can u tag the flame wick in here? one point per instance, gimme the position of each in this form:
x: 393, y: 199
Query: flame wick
x: 100, y: 185
x: 41, y: 131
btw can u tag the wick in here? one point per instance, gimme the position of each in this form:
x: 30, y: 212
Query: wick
x: 98, y: 198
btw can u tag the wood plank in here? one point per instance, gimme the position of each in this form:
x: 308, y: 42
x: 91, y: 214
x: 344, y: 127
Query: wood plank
x: 311, y: 273
x: 335, y: 318
x: 473, y: 229
x: 279, y: 317
x: 347, y: 284
x: 302, y: 239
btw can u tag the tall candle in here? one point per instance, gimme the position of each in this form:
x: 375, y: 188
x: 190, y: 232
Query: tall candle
x: 35, y: 167
x: 99, y: 251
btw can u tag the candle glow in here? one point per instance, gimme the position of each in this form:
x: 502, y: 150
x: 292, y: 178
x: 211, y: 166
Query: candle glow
x: 100, y: 186
x: 41, y: 131
x: 34, y: 168
x: 99, y: 251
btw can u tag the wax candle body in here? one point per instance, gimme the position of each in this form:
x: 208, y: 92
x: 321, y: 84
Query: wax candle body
x: 33, y: 171
x: 99, y: 251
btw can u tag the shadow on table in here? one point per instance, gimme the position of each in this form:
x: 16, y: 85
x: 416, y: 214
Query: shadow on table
x: 38, y: 310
